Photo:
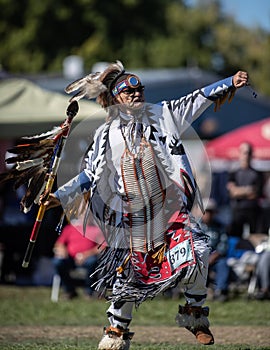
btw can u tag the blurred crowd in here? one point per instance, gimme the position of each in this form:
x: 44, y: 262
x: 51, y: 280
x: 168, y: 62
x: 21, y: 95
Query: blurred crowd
x: 236, y: 220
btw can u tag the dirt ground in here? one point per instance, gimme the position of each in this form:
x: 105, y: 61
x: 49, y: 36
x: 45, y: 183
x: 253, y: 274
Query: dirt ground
x: 223, y: 335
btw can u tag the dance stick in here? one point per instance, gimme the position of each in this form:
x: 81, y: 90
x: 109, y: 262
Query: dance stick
x: 72, y: 110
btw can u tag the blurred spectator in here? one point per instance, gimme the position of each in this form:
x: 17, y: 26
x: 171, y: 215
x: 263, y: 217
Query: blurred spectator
x: 74, y: 249
x: 218, y: 240
x: 249, y: 259
x: 245, y: 189
x: 220, y: 194
x: 15, y: 229
x: 263, y: 275
x: 265, y: 203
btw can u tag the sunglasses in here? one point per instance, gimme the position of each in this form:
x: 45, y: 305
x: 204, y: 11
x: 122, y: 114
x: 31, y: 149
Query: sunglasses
x: 128, y: 85
x: 131, y: 91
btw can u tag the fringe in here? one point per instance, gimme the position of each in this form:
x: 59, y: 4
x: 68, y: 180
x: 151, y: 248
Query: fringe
x: 110, y: 261
x: 184, y: 320
x: 129, y: 288
x: 192, y: 317
x: 137, y: 292
x: 229, y: 95
x: 116, y: 279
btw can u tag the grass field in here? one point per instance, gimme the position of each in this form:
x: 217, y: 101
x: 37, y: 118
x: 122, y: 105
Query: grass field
x: 29, y: 320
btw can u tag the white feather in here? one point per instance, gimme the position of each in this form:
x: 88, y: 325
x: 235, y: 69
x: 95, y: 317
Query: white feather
x: 49, y: 134
x: 29, y: 163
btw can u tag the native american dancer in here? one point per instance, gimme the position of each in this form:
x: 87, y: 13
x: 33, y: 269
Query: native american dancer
x: 138, y: 184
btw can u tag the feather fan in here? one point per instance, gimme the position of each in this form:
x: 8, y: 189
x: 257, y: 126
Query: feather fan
x: 32, y: 159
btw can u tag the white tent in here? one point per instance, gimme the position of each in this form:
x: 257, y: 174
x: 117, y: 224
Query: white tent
x: 27, y: 109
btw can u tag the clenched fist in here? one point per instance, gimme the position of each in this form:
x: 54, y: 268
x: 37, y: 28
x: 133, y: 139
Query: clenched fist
x: 240, y: 79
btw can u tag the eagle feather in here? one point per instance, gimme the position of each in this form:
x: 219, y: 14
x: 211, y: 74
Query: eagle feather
x: 32, y: 158
x: 91, y: 86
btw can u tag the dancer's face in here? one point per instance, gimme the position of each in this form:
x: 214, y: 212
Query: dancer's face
x: 131, y: 97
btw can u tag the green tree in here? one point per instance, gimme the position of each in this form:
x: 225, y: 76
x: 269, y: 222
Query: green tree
x: 36, y: 36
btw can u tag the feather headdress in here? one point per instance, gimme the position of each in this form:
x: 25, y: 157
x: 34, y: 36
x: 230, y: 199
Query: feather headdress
x: 97, y: 85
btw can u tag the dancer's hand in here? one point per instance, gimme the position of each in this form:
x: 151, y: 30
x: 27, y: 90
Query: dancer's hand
x: 49, y: 201
x: 240, y: 79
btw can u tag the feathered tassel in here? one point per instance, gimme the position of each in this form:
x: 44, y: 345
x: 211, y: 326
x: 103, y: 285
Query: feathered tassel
x: 32, y: 162
x: 24, y: 176
x: 91, y: 86
x: 229, y: 95
x: 34, y: 190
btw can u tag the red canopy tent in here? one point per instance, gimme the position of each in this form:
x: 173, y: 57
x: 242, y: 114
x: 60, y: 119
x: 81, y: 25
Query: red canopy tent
x: 223, y: 151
